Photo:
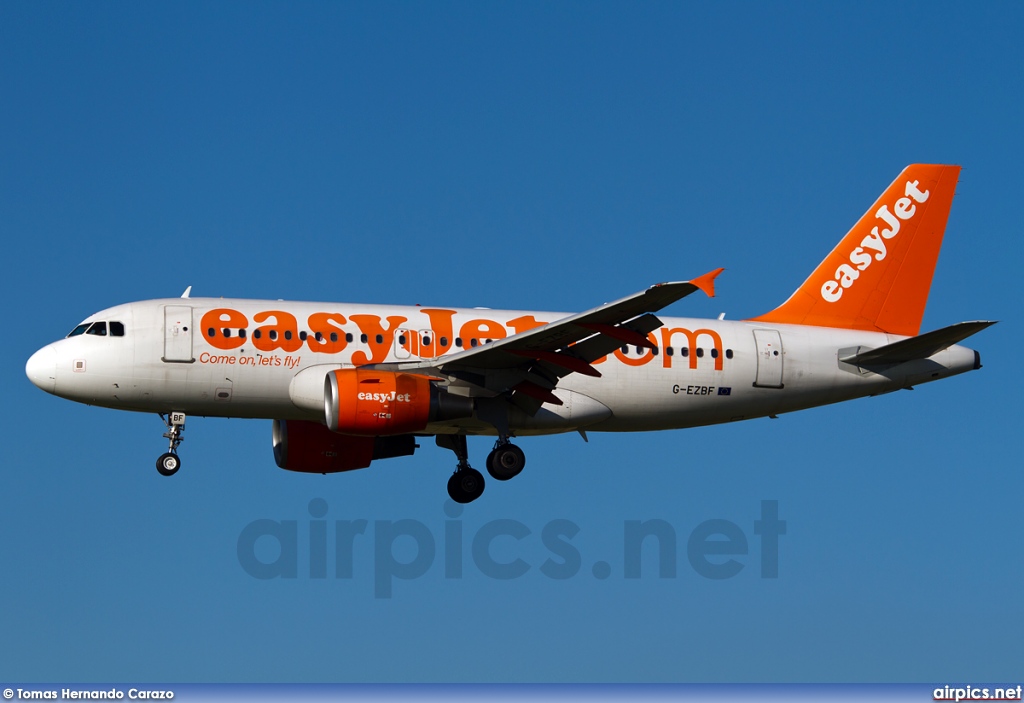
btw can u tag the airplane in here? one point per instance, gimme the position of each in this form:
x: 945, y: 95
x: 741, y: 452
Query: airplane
x: 348, y: 384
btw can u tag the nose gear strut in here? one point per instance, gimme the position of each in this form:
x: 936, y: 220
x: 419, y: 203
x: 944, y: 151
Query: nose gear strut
x: 169, y: 462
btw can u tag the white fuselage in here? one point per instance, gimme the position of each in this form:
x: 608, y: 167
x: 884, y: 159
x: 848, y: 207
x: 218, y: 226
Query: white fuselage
x: 703, y: 371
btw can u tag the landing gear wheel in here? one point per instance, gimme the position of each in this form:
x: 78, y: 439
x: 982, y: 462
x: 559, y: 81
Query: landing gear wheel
x: 505, y: 462
x: 168, y: 464
x: 466, y: 485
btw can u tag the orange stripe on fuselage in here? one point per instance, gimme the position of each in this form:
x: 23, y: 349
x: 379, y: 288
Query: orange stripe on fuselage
x: 225, y: 325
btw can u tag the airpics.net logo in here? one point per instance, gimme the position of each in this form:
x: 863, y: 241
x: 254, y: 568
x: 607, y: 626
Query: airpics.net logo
x: 501, y: 549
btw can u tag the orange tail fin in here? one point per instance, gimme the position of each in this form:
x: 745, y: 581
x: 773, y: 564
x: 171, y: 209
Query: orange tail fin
x: 879, y: 275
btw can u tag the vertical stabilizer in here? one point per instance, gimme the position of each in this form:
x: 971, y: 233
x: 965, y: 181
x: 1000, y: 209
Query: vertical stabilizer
x: 879, y: 275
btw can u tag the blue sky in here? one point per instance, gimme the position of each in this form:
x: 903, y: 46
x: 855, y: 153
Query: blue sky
x: 527, y: 155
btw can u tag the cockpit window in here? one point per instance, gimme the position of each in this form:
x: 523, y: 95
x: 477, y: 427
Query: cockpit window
x: 100, y: 329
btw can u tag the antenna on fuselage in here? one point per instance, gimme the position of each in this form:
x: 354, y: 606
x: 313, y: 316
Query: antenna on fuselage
x: 187, y: 291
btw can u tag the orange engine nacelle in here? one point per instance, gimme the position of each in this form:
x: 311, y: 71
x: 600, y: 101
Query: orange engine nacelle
x: 378, y: 403
x: 310, y: 447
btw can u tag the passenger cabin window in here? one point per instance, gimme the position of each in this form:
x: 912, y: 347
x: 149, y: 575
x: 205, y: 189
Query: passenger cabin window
x: 98, y: 328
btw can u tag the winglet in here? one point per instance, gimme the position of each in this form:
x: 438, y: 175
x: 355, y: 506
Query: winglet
x: 706, y: 282
x: 187, y: 292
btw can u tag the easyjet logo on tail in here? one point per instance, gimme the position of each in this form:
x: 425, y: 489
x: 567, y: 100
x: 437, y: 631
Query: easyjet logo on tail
x: 873, y: 246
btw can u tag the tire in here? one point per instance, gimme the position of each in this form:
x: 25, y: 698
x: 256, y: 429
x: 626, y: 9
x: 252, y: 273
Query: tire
x: 168, y: 464
x: 506, y: 462
x: 455, y: 491
x: 466, y: 485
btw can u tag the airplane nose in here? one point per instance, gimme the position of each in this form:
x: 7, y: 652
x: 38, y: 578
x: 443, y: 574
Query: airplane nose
x: 41, y: 368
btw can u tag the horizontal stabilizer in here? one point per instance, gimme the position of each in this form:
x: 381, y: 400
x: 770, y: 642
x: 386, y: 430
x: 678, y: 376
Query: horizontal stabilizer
x: 920, y: 347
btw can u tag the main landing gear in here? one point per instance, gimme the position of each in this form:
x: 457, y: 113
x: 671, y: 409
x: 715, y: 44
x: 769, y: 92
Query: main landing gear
x: 466, y: 484
x: 505, y: 461
x: 169, y: 462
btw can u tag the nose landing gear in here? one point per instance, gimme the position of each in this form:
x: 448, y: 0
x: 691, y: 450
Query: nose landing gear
x: 169, y: 462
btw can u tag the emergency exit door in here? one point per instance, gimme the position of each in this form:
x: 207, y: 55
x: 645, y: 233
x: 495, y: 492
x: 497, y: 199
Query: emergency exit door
x: 769, y: 358
x: 178, y: 334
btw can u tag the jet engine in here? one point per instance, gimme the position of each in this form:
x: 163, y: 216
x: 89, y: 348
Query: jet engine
x: 382, y: 403
x: 309, y: 447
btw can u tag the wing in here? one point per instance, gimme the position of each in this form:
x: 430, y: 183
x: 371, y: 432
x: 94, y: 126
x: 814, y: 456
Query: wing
x: 527, y: 366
